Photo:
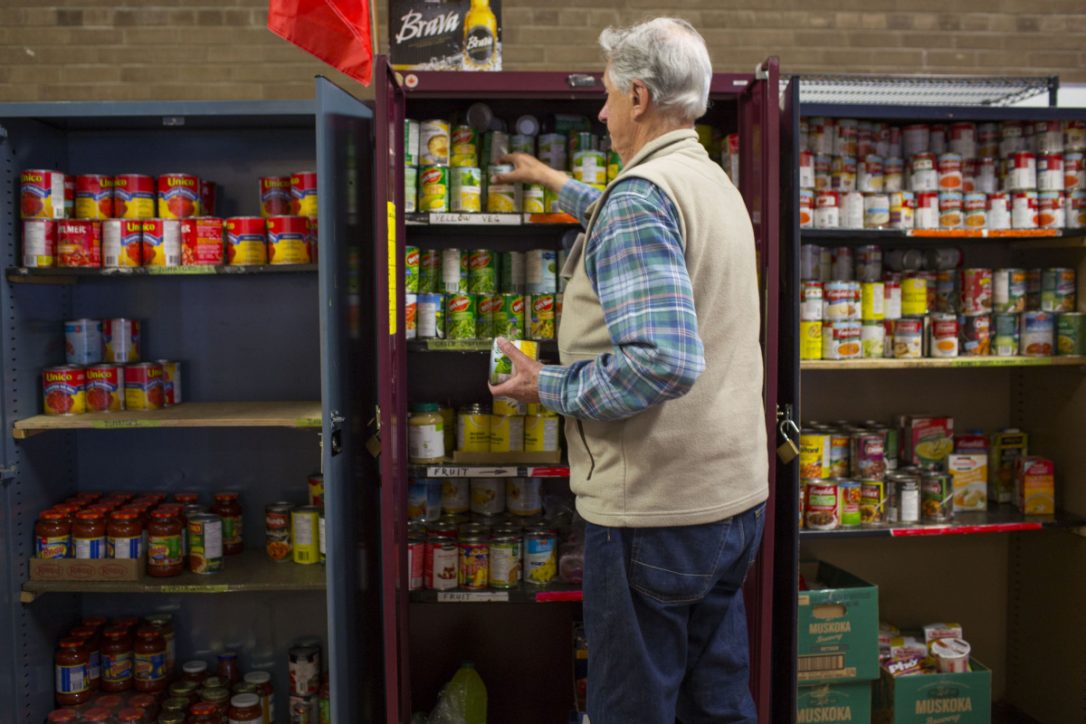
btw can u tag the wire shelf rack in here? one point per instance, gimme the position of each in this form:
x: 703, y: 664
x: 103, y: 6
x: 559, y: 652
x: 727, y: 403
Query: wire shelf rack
x: 923, y: 90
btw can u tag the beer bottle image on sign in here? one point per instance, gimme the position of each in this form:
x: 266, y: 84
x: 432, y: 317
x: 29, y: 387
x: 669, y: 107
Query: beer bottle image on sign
x: 480, y: 37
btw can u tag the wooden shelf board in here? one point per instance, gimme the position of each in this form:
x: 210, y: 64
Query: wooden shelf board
x: 304, y: 414
x: 248, y: 571
x: 940, y: 363
x: 65, y: 275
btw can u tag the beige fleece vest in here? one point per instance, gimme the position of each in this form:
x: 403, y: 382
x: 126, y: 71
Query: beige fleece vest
x: 701, y: 457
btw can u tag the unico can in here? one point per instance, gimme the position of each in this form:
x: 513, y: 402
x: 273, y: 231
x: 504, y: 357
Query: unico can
x: 143, y: 386
x: 133, y: 196
x: 93, y: 196
x: 105, y: 388
x: 64, y: 390
x: 304, y: 532
x: 171, y: 382
x: 161, y: 242
x: 288, y: 240
x: 275, y: 199
x: 41, y: 194
x: 303, y: 193
x: 246, y: 241
x: 178, y: 196
x: 122, y: 243
x: 201, y: 241
x: 121, y: 340
x: 39, y: 243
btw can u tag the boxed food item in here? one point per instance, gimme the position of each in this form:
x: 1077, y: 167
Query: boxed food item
x: 972, y: 441
x: 838, y: 619
x: 969, y: 476
x: 927, y: 440
x: 1035, y: 485
x: 1007, y: 446
x: 833, y: 703
x: 87, y: 569
x: 936, y: 631
x: 963, y: 698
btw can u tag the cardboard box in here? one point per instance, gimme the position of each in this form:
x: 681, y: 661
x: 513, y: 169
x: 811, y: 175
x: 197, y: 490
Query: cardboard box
x: 834, y: 703
x: 1007, y: 447
x: 1035, y: 485
x: 927, y: 440
x: 969, y: 475
x: 445, y: 35
x: 926, y: 698
x: 78, y: 569
x: 838, y: 627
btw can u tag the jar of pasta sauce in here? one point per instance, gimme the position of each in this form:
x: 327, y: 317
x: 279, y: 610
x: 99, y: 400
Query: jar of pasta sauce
x: 150, y: 658
x: 228, y: 507
x: 53, y: 535
x: 71, y: 663
x: 117, y: 663
x: 93, y: 644
x: 245, y: 708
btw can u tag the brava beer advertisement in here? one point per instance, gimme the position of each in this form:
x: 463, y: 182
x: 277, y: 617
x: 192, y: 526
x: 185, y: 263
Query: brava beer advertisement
x: 445, y: 34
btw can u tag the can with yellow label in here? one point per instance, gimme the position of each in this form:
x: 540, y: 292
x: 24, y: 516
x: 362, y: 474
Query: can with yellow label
x: 473, y: 428
x: 304, y: 526
x: 506, y: 433
x: 810, y: 344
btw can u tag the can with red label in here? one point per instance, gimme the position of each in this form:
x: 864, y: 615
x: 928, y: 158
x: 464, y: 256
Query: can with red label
x: 121, y: 340
x: 246, y: 241
x: 985, y: 178
x: 976, y: 289
x: 143, y: 386
x: 974, y: 335
x: 1021, y: 171
x: 1050, y: 211
x: 1073, y: 166
x: 105, y: 388
x: 909, y: 338
x: 209, y: 197
x: 171, y: 382
x: 122, y: 243
x: 178, y: 196
x: 288, y: 240
x: 93, y: 196
x: 41, y: 194
x: 79, y: 243
x: 950, y: 172
x: 201, y: 241
x: 1050, y: 172
x: 64, y: 390
x: 999, y: 211
x: 950, y: 209
x: 944, y: 335
x: 39, y: 243
x: 823, y: 505
x: 69, y: 197
x: 161, y: 242
x: 1024, y: 210
x: 303, y: 193
x: 975, y: 207
x: 1076, y: 209
x: 275, y: 196
x: 133, y: 196
x: 927, y: 210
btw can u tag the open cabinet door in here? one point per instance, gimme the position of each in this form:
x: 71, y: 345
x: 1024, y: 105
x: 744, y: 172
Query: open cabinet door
x: 344, y: 127
x: 759, y: 181
x: 388, y: 258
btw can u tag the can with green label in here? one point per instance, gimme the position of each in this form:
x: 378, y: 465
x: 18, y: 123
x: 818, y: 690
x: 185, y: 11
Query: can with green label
x: 434, y: 188
x: 466, y: 189
x: 541, y: 316
x: 1005, y: 339
x: 454, y: 271
x: 482, y: 272
x: 460, y: 311
x: 511, y: 271
x: 487, y: 306
x: 1071, y: 333
x: 532, y: 202
x: 429, y: 270
x: 410, y: 189
x: 411, y: 269
x: 509, y: 317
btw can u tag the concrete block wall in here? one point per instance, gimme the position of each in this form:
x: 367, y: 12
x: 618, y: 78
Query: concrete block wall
x: 221, y: 49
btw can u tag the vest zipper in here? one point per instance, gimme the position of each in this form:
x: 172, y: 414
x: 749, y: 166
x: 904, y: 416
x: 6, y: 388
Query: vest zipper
x: 584, y: 441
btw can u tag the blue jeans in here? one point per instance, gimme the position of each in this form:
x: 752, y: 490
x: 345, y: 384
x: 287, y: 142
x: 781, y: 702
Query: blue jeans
x: 665, y: 621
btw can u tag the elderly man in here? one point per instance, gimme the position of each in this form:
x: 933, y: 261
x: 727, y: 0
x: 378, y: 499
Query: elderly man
x: 661, y: 386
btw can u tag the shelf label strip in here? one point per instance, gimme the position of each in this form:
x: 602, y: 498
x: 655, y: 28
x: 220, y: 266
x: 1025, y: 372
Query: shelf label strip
x: 966, y: 529
x: 123, y: 424
x: 473, y: 597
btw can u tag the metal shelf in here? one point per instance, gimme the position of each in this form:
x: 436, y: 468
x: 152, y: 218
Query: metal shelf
x: 928, y: 363
x: 453, y: 470
x: 999, y: 519
x: 251, y: 571
x: 1025, y: 238
x: 922, y: 90
x: 188, y: 414
x: 553, y: 593
x: 469, y: 345
x: 441, y: 218
x: 65, y: 275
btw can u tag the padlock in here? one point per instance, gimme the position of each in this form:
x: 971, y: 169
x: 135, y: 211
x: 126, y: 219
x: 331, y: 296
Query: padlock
x: 787, y: 451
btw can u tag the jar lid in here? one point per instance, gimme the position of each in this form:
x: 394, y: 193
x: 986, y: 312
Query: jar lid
x: 258, y: 677
x: 115, y: 633
x: 194, y: 667
x: 53, y: 515
x: 227, y: 655
x: 71, y: 643
x: 149, y: 632
x: 124, y: 515
x: 161, y: 514
x: 204, y: 708
x: 425, y: 407
x: 88, y: 515
x: 159, y: 619
x: 96, y: 714
x: 245, y: 701
x: 129, y: 715
x: 227, y: 495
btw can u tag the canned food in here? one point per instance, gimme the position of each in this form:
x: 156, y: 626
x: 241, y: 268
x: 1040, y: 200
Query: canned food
x: 914, y: 296
x: 1005, y: 341
x: 410, y: 189
x: 944, y: 335
x: 1058, y: 290
x: 473, y: 428
x: 815, y: 456
x: 908, y: 338
x: 39, y: 243
x: 1050, y: 172
x: 541, y: 271
x: 950, y: 210
x: 892, y: 297
x: 434, y: 143
x: 823, y: 505
x: 454, y: 271
x: 455, y: 496
x: 810, y: 304
x: 143, y: 389
x: 509, y: 319
x: 434, y: 188
x: 974, y: 335
x: 464, y: 144
x: 541, y: 316
x: 876, y: 211
x: 1071, y: 333
x: 79, y: 243
x: 277, y: 526
x: 487, y: 496
x: 552, y: 150
x: 936, y: 497
x: 501, y: 198
x: 1038, y: 334
x: 161, y: 242
x: 873, y: 300
x: 505, y: 557
x: 1076, y: 209
x: 927, y: 210
x: 442, y: 564
x: 540, y: 556
x: 431, y: 316
x: 827, y: 213
x: 867, y: 452
x: 482, y: 272
x: 304, y: 669
x: 506, y: 433
x: 121, y: 340
x: 133, y: 196
x: 41, y: 194
x: 1050, y: 210
x: 246, y: 241
x: 201, y: 241
x: 841, y: 340
x: 303, y: 193
x: 924, y: 174
x: 849, y: 494
x: 275, y: 198
x: 1021, y: 171
x: 429, y: 271
x: 540, y: 430
x: 304, y: 523
x: 178, y: 196
x: 64, y: 390
x: 460, y: 312
x: 288, y: 240
x: 590, y: 167
x: 852, y: 209
x: 83, y: 341
x: 1009, y: 290
x: 534, y: 199
x: 474, y: 565
x: 465, y: 189
x: 836, y: 301
x: 93, y: 196
x: 976, y: 294
x: 105, y: 388
x: 998, y: 211
x: 523, y: 497
x: 873, y: 339
x: 205, y: 550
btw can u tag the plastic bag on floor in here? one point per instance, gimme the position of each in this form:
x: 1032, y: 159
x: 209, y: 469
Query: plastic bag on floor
x: 462, y: 700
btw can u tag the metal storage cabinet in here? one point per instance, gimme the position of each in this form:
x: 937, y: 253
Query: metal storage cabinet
x: 524, y: 651
x: 1016, y: 592
x: 285, y: 348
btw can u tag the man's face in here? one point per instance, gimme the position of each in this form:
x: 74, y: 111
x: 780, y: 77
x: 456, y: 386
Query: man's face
x: 618, y: 114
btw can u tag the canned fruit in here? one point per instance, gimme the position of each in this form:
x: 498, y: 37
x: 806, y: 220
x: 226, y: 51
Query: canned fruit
x: 64, y: 390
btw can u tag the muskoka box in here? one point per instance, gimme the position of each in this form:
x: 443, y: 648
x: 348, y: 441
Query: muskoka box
x: 964, y: 698
x: 445, y: 34
x: 87, y: 569
x: 834, y: 703
x: 838, y: 627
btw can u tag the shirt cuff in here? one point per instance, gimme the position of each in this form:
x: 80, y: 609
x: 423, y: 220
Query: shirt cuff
x: 575, y: 197
x: 551, y: 380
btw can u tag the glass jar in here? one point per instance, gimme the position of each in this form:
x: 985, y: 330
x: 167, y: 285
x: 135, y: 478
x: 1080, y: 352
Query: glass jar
x: 220, y: 697
x: 93, y: 644
x: 53, y: 535
x: 130, y: 716
x: 71, y: 663
x: 147, y: 703
x: 124, y: 535
x: 89, y: 534
x: 150, y: 659
x: 173, y: 717
x: 245, y: 708
x: 228, y: 507
x: 110, y: 701
x: 62, y: 716
x: 214, y: 682
x: 98, y: 714
x: 96, y: 622
x: 128, y: 623
x: 264, y: 689
x: 117, y: 663
x: 176, y: 705
x: 164, y: 623
x: 204, y: 713
x: 228, y: 668
x: 164, y: 557
x: 186, y: 498
x: 425, y: 434
x: 194, y: 671
x: 185, y: 690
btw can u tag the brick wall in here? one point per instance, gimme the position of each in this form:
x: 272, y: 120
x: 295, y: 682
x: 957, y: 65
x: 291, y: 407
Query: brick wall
x: 219, y: 49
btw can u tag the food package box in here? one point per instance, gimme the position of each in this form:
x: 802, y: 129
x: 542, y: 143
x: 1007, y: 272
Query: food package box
x: 964, y: 698
x: 1035, y: 485
x: 969, y: 442
x: 969, y: 473
x: 82, y: 569
x: 928, y: 440
x: 1007, y: 447
x: 936, y: 631
x: 833, y: 703
x: 838, y: 626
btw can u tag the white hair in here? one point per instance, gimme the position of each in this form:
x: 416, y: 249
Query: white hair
x: 669, y: 56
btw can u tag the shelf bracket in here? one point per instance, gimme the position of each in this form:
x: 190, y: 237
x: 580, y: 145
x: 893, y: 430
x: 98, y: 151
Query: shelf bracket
x: 7, y: 472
